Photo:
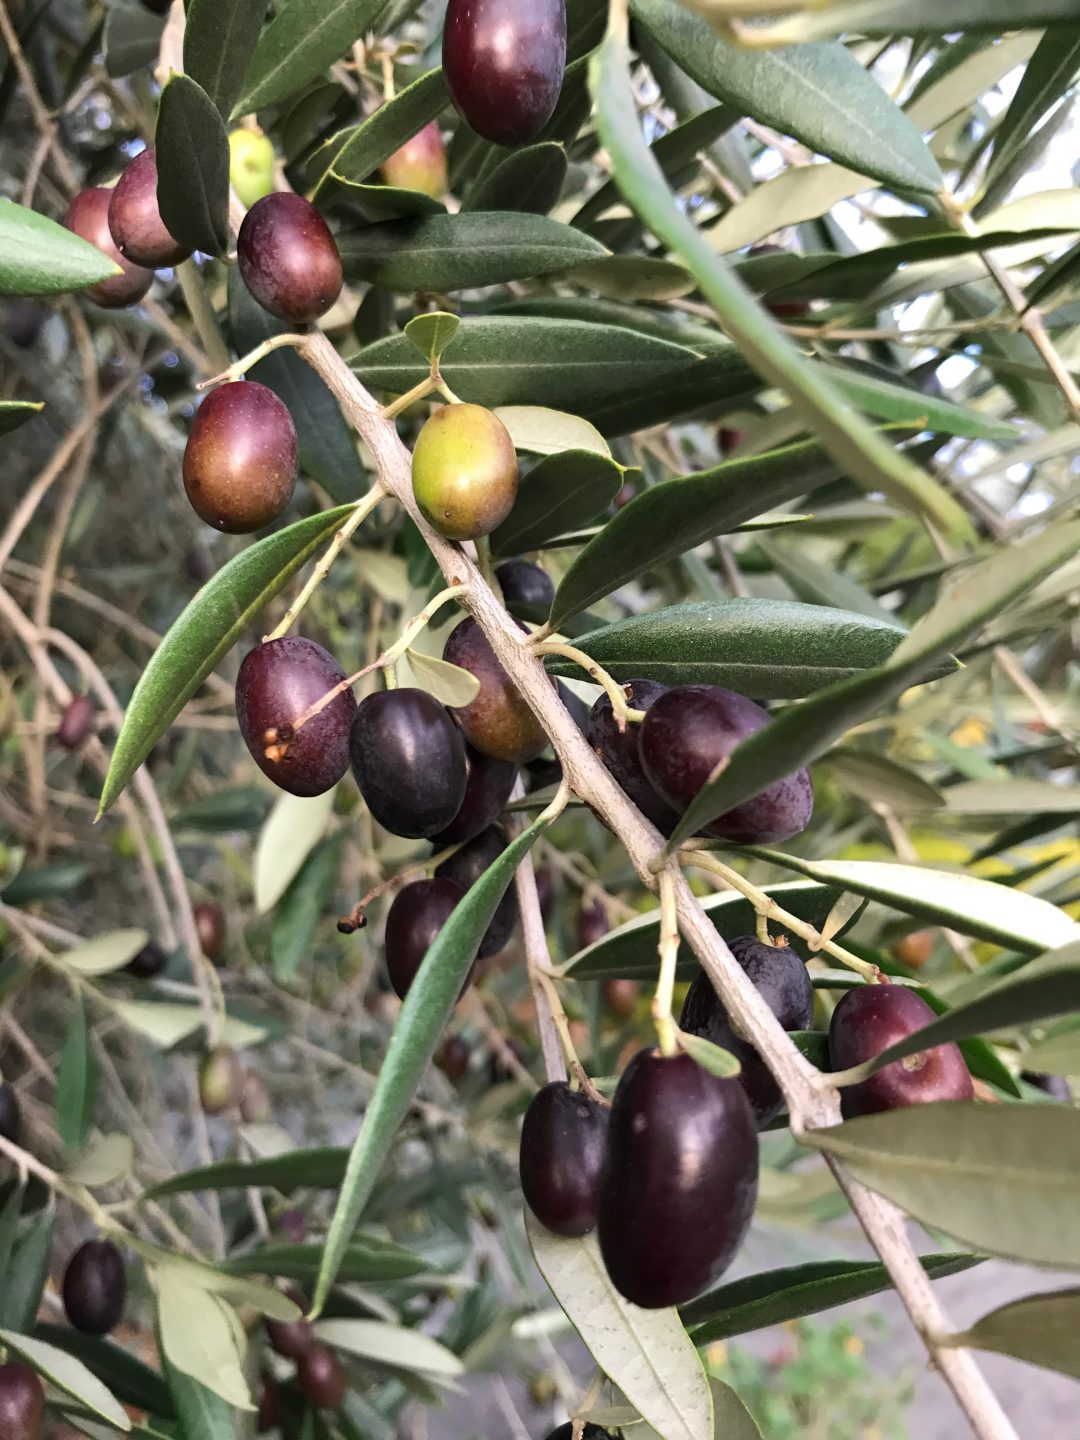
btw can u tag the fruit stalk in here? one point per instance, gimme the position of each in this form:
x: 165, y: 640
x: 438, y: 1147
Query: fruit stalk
x: 616, y: 693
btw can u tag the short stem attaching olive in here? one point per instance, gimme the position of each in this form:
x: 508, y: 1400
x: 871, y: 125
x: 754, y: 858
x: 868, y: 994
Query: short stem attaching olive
x: 624, y: 713
x: 238, y: 370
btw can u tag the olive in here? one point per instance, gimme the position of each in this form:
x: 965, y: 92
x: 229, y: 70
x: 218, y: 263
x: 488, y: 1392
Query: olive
x: 321, y: 1378
x: 1055, y: 1085
x: 783, y: 981
x: 288, y: 258
x: 278, y: 682
x: 241, y: 458
x: 870, y: 1018
x: 95, y: 1287
x: 464, y: 471
x: 293, y: 1225
x: 10, y: 1113
x: 618, y: 749
x: 621, y: 997
x: 523, y: 583
x: 76, y: 723
x: 590, y: 1432
x: 504, y: 63
x: 210, y: 928
x: 498, y: 721
x: 419, y: 912
x: 914, y: 950
x: 487, y: 789
x: 251, y: 165
x: 592, y: 924
x: 408, y: 758
x: 269, y: 1404
x: 562, y: 1158
x: 466, y: 866
x: 22, y: 1402
x: 255, y: 1107
x: 88, y: 217
x: 148, y: 963
x: 291, y: 1338
x: 221, y: 1080
x: 134, y: 218
x: 453, y: 1057
x: 680, y: 1182
x: 420, y: 164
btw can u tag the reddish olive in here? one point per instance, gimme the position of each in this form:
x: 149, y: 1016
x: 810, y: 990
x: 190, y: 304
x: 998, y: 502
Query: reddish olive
x: 221, y: 1080
x: 291, y: 1338
x: 278, y: 683
x: 487, y: 789
x: 685, y: 736
x: 321, y: 1378
x: 781, y: 309
x: 22, y: 1402
x: 453, y: 1057
x: 241, y: 458
x: 504, y: 63
x: 210, y: 928
x: 134, y: 218
x: 870, y: 1018
x: 255, y: 1107
x: 680, y: 1181
x: 148, y: 963
x: 621, y: 997
x: 914, y: 950
x: 288, y: 258
x: 783, y: 981
x: 95, y: 1287
x: 408, y: 758
x: 76, y: 723
x: 464, y: 471
x: 88, y: 217
x: 269, y: 1405
x: 562, y: 1158
x: 618, y: 749
x: 10, y: 1113
x: 419, y: 912
x: 592, y: 924
x: 466, y: 866
x: 498, y: 721
x: 292, y: 1224
x: 523, y: 583
x: 420, y: 164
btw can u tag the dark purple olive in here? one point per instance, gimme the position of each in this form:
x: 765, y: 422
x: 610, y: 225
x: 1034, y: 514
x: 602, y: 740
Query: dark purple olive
x: 291, y: 1338
x: 23, y: 321
x: 88, y: 217
x: 269, y: 1406
x: 685, y: 736
x: 221, y: 1080
x: 621, y: 997
x: 95, y: 1287
x: 592, y: 924
x: 524, y: 583
x: 498, y: 721
x: 870, y: 1018
x: 292, y: 1224
x: 157, y: 7
x: 241, y: 459
x: 321, y: 1378
x: 278, y: 682
x: 504, y: 64
x: 76, y: 723
x: 466, y: 866
x: 680, y: 1182
x: 419, y: 912
x: 500, y: 1071
x: 210, y: 928
x: 487, y: 789
x: 1055, y: 1085
x: 453, y: 1057
x: 288, y: 258
x: 562, y: 1158
x: 409, y: 761
x: 148, y: 963
x: 135, y: 220
x: 10, y: 1113
x: 545, y: 890
x: 784, y: 983
x: 22, y: 1402
x: 618, y: 749
x: 591, y: 1432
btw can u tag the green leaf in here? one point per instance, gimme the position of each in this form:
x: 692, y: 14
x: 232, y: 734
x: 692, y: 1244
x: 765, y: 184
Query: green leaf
x: 206, y: 630
x: 351, y: 156
x: 69, y: 1375
x: 104, y: 1161
x: 394, y: 1345
x: 219, y: 41
x: 129, y: 1379
x: 1040, y: 1329
x: 540, y: 431
x: 999, y: 1178
x: 713, y: 1058
x: 886, y: 400
x: 367, y: 1260
x: 193, y: 167
x: 432, y: 333
x: 26, y: 1273
x: 921, y: 17
x: 202, y: 1414
x: 773, y: 649
x: 14, y: 413
x: 776, y: 1297
x: 562, y: 364
x: 105, y: 953
x: 293, y: 828
x: 303, y: 905
x: 731, y: 1419
x: 632, y: 277
x: 426, y: 1009
x: 237, y: 807
x: 450, y: 684
x: 819, y: 94
x: 320, y: 1169
x: 1011, y: 797
x: 164, y: 1024
x: 880, y: 781
x: 625, y: 1341
x: 530, y: 179
x: 303, y: 40
x: 631, y: 949
x: 821, y: 584
x: 462, y: 252
x: 328, y: 450
x: 132, y: 40
x: 40, y: 257
x: 667, y: 520
x: 1056, y: 1055
x: 201, y: 1335
x: 76, y: 1083
x: 562, y: 493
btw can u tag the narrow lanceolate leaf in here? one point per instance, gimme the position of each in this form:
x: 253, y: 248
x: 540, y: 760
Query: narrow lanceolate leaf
x: 921, y: 17
x: 423, y: 1016
x: 820, y: 94
x: 352, y: 156
x: 40, y: 257
x: 129, y: 1379
x: 667, y: 520
x: 1000, y: 1178
x: 293, y: 828
x: 131, y: 40
x: 303, y: 40
x: 14, y: 413
x: 530, y: 179
x: 897, y: 403
x: 860, y: 451
x: 463, y: 252
x: 625, y: 1341
x: 881, y: 781
x: 321, y: 1169
x: 392, y: 1345
x: 1040, y: 1329
x: 304, y: 904
x: 69, y: 1375
x: 201, y: 1335
x: 76, y: 1083
x: 105, y: 953
x: 204, y: 632
x: 219, y: 40
x: 1056, y: 1055
x: 540, y: 431
x: 198, y: 1409
x: 774, y: 649
x: 366, y: 1260
x: 775, y: 1297
x: 193, y: 167
x: 561, y: 494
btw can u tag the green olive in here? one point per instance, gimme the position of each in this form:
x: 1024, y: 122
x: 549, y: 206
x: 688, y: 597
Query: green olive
x: 465, y: 472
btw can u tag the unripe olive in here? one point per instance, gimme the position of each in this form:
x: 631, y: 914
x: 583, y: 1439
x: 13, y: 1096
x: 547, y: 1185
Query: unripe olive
x: 255, y: 1108
x: 251, y: 165
x: 288, y: 258
x: 241, y: 458
x: 321, y: 1378
x: 88, y: 217
x: 498, y: 721
x: 135, y: 220
x: 221, y: 1080
x: 420, y: 164
x: 76, y: 723
x: 465, y: 471
x: 95, y: 1287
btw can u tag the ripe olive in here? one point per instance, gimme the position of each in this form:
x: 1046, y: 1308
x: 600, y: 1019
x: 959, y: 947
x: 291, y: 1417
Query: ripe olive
x: 148, y: 963
x: 728, y: 440
x: 591, y: 1432
x: 498, y: 721
x: 781, y: 309
x: 293, y: 1225
x: 420, y: 164
x: 523, y: 583
x: 419, y: 912
x: 685, y: 736
x: 135, y: 220
x: 914, y: 950
x: 241, y: 458
x: 22, y: 1402
x: 221, y: 1080
x: 466, y: 866
x: 255, y: 1107
x: 870, y: 1018
x: 10, y: 1113
x: 321, y: 1378
x: 408, y: 758
x: 504, y: 64
x: 487, y: 789
x: 784, y: 983
x: 618, y: 749
x: 453, y: 1057
x: 562, y: 1158
x: 210, y: 927
x: 592, y: 924
x: 288, y: 258
x: 621, y: 997
x: 157, y: 7
x: 1055, y: 1085
x: 95, y: 1287
x: 278, y: 682
x: 680, y: 1182
x: 291, y: 1338
x: 88, y: 217
x: 76, y: 723
x: 269, y: 1405
x: 464, y: 471
x: 23, y: 320
x: 251, y: 165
